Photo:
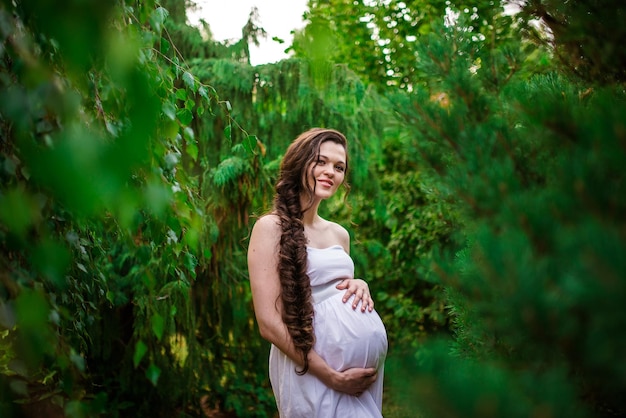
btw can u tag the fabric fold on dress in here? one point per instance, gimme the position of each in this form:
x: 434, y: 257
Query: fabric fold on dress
x: 344, y: 338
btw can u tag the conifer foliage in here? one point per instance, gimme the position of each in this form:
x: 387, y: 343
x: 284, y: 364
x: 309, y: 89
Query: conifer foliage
x: 587, y: 36
x: 536, y: 168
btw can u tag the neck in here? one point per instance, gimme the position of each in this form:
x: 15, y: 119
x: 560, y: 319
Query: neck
x: 310, y: 215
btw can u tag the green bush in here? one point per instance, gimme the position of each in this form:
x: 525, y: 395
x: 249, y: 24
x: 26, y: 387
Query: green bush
x: 536, y: 168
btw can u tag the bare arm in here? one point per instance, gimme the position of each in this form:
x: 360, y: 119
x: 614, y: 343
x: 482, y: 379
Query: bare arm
x: 265, y: 286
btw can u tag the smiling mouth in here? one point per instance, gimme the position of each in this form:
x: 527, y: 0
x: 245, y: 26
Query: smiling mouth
x: 326, y: 182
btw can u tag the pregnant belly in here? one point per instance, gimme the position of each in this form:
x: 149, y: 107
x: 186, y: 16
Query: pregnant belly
x: 348, y: 338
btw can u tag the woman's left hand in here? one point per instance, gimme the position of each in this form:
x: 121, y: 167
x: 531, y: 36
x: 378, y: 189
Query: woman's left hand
x: 361, y: 292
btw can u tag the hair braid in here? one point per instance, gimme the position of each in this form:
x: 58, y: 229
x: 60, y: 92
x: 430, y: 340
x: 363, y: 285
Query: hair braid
x: 296, y: 290
x: 292, y: 185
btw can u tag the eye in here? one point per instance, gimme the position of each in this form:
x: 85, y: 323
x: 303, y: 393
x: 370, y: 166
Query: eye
x: 340, y: 168
x: 320, y: 162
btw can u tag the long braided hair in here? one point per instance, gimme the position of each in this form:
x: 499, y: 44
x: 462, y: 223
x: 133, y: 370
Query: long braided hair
x: 292, y: 185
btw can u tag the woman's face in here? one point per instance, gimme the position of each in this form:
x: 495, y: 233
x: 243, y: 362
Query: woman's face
x: 328, y: 172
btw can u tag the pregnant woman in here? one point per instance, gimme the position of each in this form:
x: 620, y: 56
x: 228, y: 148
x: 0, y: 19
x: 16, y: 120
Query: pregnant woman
x: 328, y: 344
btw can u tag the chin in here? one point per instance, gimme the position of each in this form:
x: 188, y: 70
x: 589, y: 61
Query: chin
x: 325, y: 195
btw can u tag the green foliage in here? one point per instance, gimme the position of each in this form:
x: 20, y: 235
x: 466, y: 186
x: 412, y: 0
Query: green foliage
x: 535, y: 169
x: 401, y: 223
x: 396, y: 244
x: 136, y: 152
x: 102, y: 230
x: 276, y: 101
x: 587, y: 36
x: 443, y: 385
x: 378, y: 39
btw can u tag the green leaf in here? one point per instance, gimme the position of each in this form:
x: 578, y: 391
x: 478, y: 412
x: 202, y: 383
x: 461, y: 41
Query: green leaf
x: 158, y: 325
x: 169, y: 127
x: 18, y: 211
x: 51, y: 258
x: 158, y: 197
x: 48, y: 379
x: 250, y: 143
x: 181, y: 94
x: 140, y: 350
x: 169, y: 110
x: 189, y: 81
x: 184, y: 116
x: 165, y: 46
x: 192, y: 150
x: 190, y: 261
x: 9, y: 165
x: 78, y: 360
x: 189, y: 134
x: 74, y: 409
x: 203, y: 93
x: 110, y: 297
x: 227, y: 130
x: 157, y: 18
x: 176, y: 65
x: 153, y: 373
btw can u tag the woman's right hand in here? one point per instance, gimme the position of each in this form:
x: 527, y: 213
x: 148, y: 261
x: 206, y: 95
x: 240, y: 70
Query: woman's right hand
x: 354, y: 381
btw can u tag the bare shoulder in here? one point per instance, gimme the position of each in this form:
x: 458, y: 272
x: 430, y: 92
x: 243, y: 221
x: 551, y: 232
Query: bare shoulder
x: 264, y: 241
x: 267, y: 223
x: 339, y: 230
x: 266, y: 230
x: 341, y: 234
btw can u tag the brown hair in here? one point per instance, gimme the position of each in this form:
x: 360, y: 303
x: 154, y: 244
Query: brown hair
x: 292, y: 184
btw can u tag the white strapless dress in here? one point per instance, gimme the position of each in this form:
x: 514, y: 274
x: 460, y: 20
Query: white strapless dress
x: 344, y: 338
